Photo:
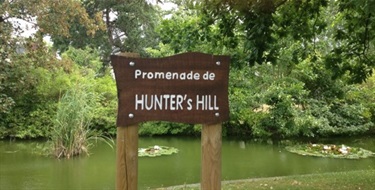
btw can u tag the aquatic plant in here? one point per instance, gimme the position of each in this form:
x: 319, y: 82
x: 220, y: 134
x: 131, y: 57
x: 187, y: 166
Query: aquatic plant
x: 71, y: 135
x: 156, y: 150
x: 331, y: 151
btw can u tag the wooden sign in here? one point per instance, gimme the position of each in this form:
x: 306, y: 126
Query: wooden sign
x: 186, y: 88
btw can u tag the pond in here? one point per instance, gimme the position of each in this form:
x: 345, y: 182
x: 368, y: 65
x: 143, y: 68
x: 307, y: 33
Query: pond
x: 21, y: 168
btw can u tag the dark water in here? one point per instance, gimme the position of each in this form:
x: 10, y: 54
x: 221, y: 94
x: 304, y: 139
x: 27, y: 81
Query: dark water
x: 21, y: 168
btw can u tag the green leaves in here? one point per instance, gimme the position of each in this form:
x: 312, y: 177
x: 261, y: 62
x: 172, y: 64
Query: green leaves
x: 354, y: 52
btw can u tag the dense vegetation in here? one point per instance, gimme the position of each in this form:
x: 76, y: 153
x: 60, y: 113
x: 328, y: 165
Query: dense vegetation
x: 299, y: 68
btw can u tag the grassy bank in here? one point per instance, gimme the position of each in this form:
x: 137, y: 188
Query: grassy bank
x: 363, y: 179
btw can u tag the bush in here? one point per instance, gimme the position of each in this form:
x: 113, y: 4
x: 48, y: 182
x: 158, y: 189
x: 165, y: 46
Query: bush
x: 105, y: 111
x: 167, y: 128
x: 284, y: 98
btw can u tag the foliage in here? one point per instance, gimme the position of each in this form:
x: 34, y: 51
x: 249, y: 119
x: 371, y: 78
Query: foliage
x: 354, y: 54
x: 103, y: 88
x: 265, y: 104
x: 70, y: 133
x: 36, y: 85
x: 290, y: 90
x: 85, y: 58
x: 167, y: 128
x: 240, y: 97
x: 276, y: 109
x: 341, y: 119
x: 6, y: 101
x: 191, y: 33
x: 29, y: 83
x: 264, y: 23
x: 29, y: 68
x: 129, y: 27
x: 298, y: 68
x: 50, y: 17
x: 105, y: 111
x: 364, y: 95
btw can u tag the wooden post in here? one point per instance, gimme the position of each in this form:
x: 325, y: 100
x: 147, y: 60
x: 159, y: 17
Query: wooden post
x: 127, y: 153
x: 127, y: 158
x: 211, y: 157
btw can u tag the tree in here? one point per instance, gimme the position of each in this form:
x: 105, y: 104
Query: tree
x: 26, y: 62
x: 49, y: 17
x: 266, y: 22
x: 353, y: 53
x: 322, y: 45
x: 129, y: 27
x: 188, y: 29
x: 26, y: 75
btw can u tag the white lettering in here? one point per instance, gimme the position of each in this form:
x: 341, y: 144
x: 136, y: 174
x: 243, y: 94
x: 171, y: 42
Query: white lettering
x: 166, y: 97
x: 179, y: 101
x: 182, y: 76
x: 196, y: 76
x: 149, y: 104
x: 189, y: 103
x: 175, y: 76
x: 199, y: 102
x: 206, y: 102
x: 159, y: 75
x: 191, y: 75
x: 150, y: 75
x: 158, y: 103
x: 137, y: 73
x: 139, y: 102
x: 174, y: 102
x: 215, y: 104
x: 168, y: 76
x: 208, y: 76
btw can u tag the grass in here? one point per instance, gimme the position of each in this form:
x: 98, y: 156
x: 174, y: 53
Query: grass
x: 362, y: 179
x: 71, y: 133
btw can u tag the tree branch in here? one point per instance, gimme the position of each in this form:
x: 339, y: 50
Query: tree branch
x: 366, y: 38
x: 109, y: 27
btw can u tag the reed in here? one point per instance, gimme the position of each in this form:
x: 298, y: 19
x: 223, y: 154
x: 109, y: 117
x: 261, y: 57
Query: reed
x: 71, y: 134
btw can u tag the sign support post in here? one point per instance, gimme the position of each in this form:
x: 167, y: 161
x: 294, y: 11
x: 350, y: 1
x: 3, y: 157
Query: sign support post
x: 127, y: 153
x: 127, y: 158
x: 211, y: 157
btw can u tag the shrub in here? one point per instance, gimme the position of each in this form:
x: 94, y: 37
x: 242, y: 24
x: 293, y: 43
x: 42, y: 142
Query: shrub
x: 105, y: 111
x: 167, y: 128
x: 284, y: 98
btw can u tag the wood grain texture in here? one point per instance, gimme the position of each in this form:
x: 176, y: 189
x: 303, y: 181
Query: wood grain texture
x: 211, y: 140
x: 127, y: 158
x: 132, y: 87
x: 127, y: 152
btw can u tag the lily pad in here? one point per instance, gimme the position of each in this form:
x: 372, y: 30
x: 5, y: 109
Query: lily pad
x: 330, y: 151
x: 156, y: 150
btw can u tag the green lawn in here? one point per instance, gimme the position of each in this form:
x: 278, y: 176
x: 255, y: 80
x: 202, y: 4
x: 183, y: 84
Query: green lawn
x: 363, y: 180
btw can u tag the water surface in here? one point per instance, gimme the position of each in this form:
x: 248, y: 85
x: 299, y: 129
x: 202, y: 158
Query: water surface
x: 22, y: 168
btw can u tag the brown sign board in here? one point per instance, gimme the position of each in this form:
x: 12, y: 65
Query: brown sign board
x: 186, y: 88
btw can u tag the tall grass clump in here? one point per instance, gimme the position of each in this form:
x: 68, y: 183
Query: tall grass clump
x: 71, y: 133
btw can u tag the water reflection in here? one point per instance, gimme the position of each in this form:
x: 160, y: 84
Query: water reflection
x: 20, y: 168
